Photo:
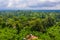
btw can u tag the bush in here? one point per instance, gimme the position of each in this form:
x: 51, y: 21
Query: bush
x: 8, y: 34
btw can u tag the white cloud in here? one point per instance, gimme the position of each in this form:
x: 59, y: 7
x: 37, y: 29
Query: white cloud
x: 57, y: 7
x: 16, y: 3
x: 27, y: 3
x: 22, y: 6
x: 10, y: 3
x: 18, y: 0
x: 54, y: 0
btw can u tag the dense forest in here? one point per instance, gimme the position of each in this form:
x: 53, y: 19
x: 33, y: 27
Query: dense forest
x: 19, y: 25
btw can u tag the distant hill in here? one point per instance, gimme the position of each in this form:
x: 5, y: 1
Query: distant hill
x: 46, y: 10
x: 33, y: 10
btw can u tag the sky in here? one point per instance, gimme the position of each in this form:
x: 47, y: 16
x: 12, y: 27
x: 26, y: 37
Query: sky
x: 30, y: 4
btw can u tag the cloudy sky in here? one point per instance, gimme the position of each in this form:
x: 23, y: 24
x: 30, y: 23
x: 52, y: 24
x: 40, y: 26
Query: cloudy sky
x: 30, y: 4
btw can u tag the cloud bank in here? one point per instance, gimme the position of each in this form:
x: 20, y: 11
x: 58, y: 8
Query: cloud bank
x: 30, y: 4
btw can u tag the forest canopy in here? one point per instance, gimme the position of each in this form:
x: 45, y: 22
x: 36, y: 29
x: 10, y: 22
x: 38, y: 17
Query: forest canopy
x: 16, y: 25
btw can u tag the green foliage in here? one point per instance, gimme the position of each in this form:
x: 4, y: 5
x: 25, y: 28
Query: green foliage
x: 24, y: 32
x: 8, y: 34
x: 37, y: 25
x: 16, y: 25
x: 54, y: 32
